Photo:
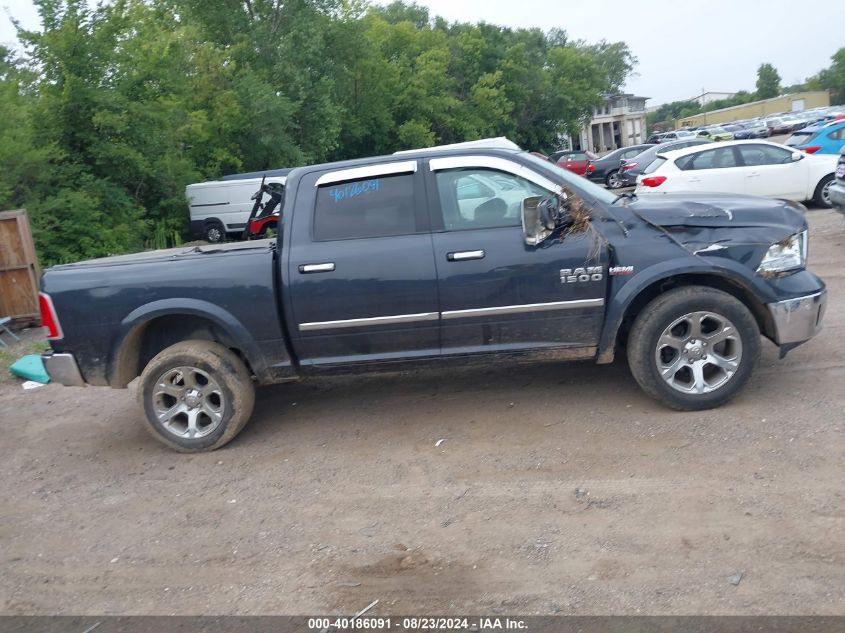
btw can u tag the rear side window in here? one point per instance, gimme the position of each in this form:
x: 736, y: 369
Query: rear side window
x: 838, y: 135
x: 720, y: 158
x: 654, y: 165
x: 374, y: 207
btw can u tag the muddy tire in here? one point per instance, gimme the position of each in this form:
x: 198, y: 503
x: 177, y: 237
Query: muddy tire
x: 822, y: 194
x: 693, y: 348
x: 196, y: 396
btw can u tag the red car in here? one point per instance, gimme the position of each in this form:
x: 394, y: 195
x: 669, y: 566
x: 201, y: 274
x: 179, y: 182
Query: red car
x: 574, y: 161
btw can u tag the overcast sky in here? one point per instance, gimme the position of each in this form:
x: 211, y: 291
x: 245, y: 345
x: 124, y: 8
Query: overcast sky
x: 683, y: 47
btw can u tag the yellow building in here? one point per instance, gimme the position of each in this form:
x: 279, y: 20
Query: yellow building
x: 784, y: 103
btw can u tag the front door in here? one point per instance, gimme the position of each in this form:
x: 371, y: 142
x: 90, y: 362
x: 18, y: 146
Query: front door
x: 771, y: 171
x: 496, y: 293
x: 713, y: 170
x: 361, y: 268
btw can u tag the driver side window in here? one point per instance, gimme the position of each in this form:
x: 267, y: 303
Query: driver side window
x: 480, y: 198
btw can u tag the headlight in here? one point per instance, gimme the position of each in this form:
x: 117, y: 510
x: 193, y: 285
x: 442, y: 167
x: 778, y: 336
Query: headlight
x: 788, y: 254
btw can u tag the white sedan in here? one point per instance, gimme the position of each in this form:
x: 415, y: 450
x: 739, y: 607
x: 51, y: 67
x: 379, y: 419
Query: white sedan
x: 758, y: 168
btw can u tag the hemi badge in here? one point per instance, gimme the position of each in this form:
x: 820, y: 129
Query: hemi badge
x: 620, y: 270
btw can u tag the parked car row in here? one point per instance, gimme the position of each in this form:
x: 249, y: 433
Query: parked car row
x: 762, y: 127
x: 749, y: 166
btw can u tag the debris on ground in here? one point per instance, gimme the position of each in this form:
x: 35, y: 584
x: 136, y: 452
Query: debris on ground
x: 30, y: 367
x: 439, y: 442
x: 736, y: 578
x: 580, y: 493
x: 367, y: 608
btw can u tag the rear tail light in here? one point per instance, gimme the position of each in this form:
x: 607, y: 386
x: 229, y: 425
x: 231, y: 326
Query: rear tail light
x: 654, y: 181
x: 812, y: 149
x: 49, y: 318
x: 591, y: 167
x: 628, y: 166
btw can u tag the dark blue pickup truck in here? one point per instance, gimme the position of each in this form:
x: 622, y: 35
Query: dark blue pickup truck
x: 474, y: 252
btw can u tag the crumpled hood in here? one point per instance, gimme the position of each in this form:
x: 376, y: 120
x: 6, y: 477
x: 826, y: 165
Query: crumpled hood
x: 719, y: 210
x: 714, y: 225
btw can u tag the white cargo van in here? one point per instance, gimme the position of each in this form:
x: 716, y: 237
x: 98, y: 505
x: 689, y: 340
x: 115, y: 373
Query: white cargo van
x: 220, y: 208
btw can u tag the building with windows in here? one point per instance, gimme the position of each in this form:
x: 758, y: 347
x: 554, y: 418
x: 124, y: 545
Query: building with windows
x: 618, y: 122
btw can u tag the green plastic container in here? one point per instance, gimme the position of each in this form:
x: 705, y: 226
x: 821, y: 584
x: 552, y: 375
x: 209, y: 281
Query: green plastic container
x: 30, y: 367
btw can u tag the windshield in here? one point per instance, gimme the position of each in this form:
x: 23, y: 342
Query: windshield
x: 581, y: 185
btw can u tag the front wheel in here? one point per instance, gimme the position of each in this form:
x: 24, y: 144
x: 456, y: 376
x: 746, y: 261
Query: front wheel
x: 214, y: 232
x: 613, y: 181
x: 197, y: 396
x: 822, y: 194
x: 693, y: 348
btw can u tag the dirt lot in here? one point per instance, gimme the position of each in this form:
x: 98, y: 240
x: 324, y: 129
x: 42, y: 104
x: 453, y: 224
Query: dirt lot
x: 336, y: 495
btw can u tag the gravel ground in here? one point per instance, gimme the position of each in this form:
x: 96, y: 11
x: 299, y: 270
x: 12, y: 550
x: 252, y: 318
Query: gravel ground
x: 557, y: 489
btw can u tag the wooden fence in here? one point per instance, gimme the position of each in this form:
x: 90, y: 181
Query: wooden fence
x: 20, y: 274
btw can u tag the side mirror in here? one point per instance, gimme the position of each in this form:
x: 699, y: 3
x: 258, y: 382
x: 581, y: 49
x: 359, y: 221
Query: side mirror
x: 541, y: 216
x: 796, y: 156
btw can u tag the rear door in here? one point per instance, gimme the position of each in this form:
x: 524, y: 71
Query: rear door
x: 712, y: 170
x: 496, y: 293
x: 361, y: 275
x: 771, y: 171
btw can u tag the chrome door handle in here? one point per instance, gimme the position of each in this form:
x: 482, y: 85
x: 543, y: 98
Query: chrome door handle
x: 317, y: 268
x: 460, y: 256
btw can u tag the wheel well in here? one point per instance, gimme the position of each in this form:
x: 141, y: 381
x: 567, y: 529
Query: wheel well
x: 147, y: 339
x: 748, y: 299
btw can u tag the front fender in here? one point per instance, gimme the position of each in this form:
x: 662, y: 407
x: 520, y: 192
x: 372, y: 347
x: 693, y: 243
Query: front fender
x: 698, y: 267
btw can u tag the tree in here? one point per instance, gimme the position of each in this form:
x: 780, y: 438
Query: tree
x: 768, y: 82
x: 115, y: 106
x: 833, y: 78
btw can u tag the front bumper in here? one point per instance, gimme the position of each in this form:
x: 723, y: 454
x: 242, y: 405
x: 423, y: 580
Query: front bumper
x: 837, y: 196
x: 799, y: 319
x: 62, y: 368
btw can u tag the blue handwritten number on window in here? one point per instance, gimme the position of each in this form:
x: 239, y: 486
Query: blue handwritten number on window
x: 353, y: 189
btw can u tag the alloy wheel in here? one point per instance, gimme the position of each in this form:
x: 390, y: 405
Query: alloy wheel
x: 698, y: 353
x: 188, y: 402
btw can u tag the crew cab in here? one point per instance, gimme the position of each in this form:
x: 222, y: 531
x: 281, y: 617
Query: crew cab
x: 470, y: 253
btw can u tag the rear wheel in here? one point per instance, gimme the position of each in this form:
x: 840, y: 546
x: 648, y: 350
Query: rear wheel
x: 693, y: 348
x: 822, y: 195
x: 197, y: 396
x: 612, y: 181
